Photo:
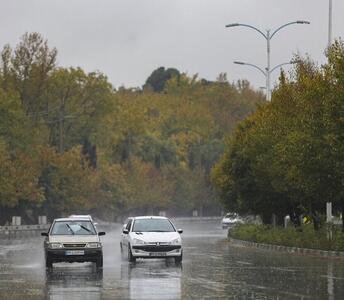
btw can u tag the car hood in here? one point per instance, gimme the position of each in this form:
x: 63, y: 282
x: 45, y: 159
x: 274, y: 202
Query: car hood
x: 73, y: 238
x: 153, y: 237
x: 229, y: 220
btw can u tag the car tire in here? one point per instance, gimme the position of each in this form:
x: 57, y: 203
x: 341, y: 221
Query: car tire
x: 131, y: 258
x: 178, y: 259
x: 99, y: 263
x: 48, y: 262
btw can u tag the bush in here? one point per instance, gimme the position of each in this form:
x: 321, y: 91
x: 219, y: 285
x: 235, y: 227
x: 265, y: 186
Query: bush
x: 301, y: 237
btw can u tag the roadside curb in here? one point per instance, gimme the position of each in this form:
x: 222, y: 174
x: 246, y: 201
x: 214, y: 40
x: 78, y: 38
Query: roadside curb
x: 291, y: 250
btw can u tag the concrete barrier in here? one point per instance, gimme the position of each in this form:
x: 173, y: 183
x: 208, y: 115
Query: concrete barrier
x: 27, y: 231
x: 22, y: 231
x: 196, y: 219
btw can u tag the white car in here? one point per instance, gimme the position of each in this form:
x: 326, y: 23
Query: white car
x: 231, y: 219
x: 151, y: 237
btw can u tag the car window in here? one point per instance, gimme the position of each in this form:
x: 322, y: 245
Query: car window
x: 73, y: 228
x: 153, y: 225
x: 129, y: 224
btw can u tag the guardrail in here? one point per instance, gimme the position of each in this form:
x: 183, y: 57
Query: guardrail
x: 20, y: 231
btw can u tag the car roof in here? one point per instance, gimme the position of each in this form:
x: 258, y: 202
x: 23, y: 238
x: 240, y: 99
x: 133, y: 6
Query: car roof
x: 80, y: 216
x: 148, y: 217
x: 71, y: 219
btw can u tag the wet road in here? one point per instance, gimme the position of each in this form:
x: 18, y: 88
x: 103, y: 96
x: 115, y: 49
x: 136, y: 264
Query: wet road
x: 212, y: 269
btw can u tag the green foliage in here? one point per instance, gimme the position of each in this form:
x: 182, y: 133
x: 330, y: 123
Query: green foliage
x: 301, y: 237
x: 157, y: 80
x: 287, y: 158
x: 19, y: 179
x: 71, y: 143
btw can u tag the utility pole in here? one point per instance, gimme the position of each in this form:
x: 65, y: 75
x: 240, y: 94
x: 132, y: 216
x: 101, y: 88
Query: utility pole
x: 329, y: 24
x: 268, y: 51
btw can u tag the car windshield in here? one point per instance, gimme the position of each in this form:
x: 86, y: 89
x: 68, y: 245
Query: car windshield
x: 77, y: 227
x: 153, y: 225
x: 231, y: 216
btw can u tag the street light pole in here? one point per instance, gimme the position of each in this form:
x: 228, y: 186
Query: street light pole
x: 268, y: 50
x: 329, y: 24
x: 268, y: 36
x: 266, y: 73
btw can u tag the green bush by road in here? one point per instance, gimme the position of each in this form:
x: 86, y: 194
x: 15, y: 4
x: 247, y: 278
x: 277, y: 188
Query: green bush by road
x: 301, y: 237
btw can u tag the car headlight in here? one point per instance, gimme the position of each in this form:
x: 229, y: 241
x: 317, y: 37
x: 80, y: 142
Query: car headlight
x: 93, y: 245
x: 138, y: 242
x: 176, y: 241
x: 55, y: 245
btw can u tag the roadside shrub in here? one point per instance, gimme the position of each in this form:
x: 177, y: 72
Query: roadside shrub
x: 301, y: 237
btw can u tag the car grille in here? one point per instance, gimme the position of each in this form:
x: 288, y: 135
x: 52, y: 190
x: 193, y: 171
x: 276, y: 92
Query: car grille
x: 155, y: 248
x: 74, y: 245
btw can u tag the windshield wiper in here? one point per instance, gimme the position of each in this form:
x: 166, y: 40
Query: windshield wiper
x: 83, y: 227
x: 70, y: 228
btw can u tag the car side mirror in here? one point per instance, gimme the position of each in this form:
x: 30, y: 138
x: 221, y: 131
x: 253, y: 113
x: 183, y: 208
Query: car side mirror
x: 101, y: 233
x: 180, y: 230
x: 44, y: 233
x: 125, y: 231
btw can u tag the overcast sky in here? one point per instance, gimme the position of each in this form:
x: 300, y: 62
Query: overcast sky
x: 128, y: 39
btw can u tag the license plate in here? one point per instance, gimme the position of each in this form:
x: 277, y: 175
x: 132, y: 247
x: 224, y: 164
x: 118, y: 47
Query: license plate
x: 157, y: 254
x: 75, y: 252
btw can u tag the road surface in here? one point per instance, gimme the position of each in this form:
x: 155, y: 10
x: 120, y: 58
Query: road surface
x: 212, y: 268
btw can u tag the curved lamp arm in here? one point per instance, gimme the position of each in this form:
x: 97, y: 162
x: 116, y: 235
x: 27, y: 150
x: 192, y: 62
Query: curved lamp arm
x: 249, y: 26
x: 280, y: 65
x: 252, y: 65
x: 290, y: 23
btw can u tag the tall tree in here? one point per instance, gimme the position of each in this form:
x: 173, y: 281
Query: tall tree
x: 159, y: 77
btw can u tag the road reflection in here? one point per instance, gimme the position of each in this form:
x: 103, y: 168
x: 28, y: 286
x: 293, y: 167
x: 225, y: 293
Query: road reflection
x: 145, y: 276
x: 67, y: 281
x: 212, y: 268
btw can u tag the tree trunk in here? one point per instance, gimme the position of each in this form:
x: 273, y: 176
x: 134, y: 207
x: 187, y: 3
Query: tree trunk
x: 266, y: 218
x: 316, y: 220
x: 342, y: 217
x: 295, y: 218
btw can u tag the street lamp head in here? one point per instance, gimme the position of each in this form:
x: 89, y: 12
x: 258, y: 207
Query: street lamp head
x: 232, y: 25
x: 239, y: 62
x: 303, y: 22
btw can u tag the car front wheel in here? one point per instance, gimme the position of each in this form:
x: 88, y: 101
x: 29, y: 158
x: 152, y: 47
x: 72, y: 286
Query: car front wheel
x: 48, y: 262
x: 131, y: 258
x: 178, y: 259
x: 99, y: 262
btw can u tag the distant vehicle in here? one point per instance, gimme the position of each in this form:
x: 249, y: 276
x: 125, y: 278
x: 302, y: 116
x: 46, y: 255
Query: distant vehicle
x: 151, y: 237
x: 73, y: 240
x: 231, y: 219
